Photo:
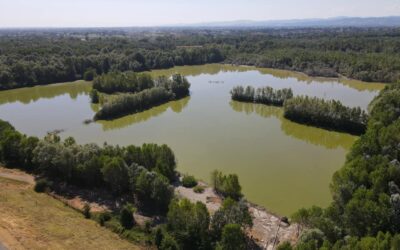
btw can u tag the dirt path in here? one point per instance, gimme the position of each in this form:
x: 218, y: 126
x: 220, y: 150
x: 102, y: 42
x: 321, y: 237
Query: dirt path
x: 17, y: 175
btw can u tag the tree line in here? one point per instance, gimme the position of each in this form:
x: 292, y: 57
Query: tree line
x: 368, y: 54
x: 122, y: 82
x: 329, y: 114
x: 146, y: 172
x: 48, y: 58
x: 365, y: 211
x: 163, y: 90
x: 264, y: 95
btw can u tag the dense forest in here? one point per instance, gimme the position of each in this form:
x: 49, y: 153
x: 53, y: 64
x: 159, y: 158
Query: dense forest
x: 365, y: 212
x: 330, y: 114
x: 148, y: 94
x: 27, y: 58
x: 143, y: 173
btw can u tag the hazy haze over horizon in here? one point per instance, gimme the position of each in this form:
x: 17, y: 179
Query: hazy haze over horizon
x: 120, y: 13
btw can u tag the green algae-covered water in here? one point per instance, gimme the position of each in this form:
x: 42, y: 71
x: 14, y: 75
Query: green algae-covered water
x: 281, y: 165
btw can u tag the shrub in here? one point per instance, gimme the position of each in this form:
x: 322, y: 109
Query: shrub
x: 159, y: 235
x: 86, y: 211
x: 89, y: 74
x: 285, y: 246
x: 227, y: 185
x: 42, y: 185
x: 189, y: 181
x: 94, y: 96
x: 198, y: 189
x: 168, y: 243
x: 126, y: 217
x: 103, y: 217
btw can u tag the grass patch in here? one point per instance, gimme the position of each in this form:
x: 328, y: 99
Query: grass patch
x: 198, y: 189
x: 35, y: 220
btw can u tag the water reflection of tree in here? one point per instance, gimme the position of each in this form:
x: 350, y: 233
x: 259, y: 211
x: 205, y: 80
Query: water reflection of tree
x: 28, y: 95
x: 175, y: 106
x: 301, y: 77
x: 315, y: 136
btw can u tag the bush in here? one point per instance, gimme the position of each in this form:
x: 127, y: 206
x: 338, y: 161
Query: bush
x: 189, y: 181
x: 198, y: 189
x: 42, y: 185
x: 126, y: 217
x: 89, y: 74
x: 103, y: 217
x: 94, y: 96
x: 227, y: 185
x: 285, y: 246
x: 168, y: 243
x: 158, y: 237
x: 86, y: 211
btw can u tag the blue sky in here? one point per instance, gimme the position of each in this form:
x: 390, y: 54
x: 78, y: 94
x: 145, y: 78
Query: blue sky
x: 106, y: 13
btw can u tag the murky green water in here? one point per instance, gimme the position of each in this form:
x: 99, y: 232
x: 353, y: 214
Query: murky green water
x: 282, y: 165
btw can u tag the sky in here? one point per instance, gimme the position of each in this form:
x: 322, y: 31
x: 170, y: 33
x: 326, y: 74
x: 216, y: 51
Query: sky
x: 124, y: 13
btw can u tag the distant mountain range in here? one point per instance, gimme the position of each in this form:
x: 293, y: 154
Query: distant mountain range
x: 390, y: 21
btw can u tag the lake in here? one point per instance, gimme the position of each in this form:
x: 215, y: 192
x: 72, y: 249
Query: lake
x: 281, y: 165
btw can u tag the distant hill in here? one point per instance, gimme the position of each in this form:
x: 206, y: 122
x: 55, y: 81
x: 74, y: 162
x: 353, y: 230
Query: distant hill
x: 390, y: 21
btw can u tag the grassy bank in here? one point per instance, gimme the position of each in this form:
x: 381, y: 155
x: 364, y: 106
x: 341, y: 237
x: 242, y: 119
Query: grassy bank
x: 31, y: 220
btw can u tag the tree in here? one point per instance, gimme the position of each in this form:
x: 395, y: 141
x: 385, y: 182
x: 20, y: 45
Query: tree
x: 10, y: 147
x: 153, y: 191
x: 94, y: 96
x: 231, y: 212
x: 189, y: 224
x: 233, y: 238
x: 115, y: 174
x: 168, y: 243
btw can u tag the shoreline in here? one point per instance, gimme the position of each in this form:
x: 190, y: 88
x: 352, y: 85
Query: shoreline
x: 339, y: 77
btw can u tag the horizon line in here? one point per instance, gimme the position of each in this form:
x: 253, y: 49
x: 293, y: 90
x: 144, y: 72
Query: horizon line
x: 207, y: 24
